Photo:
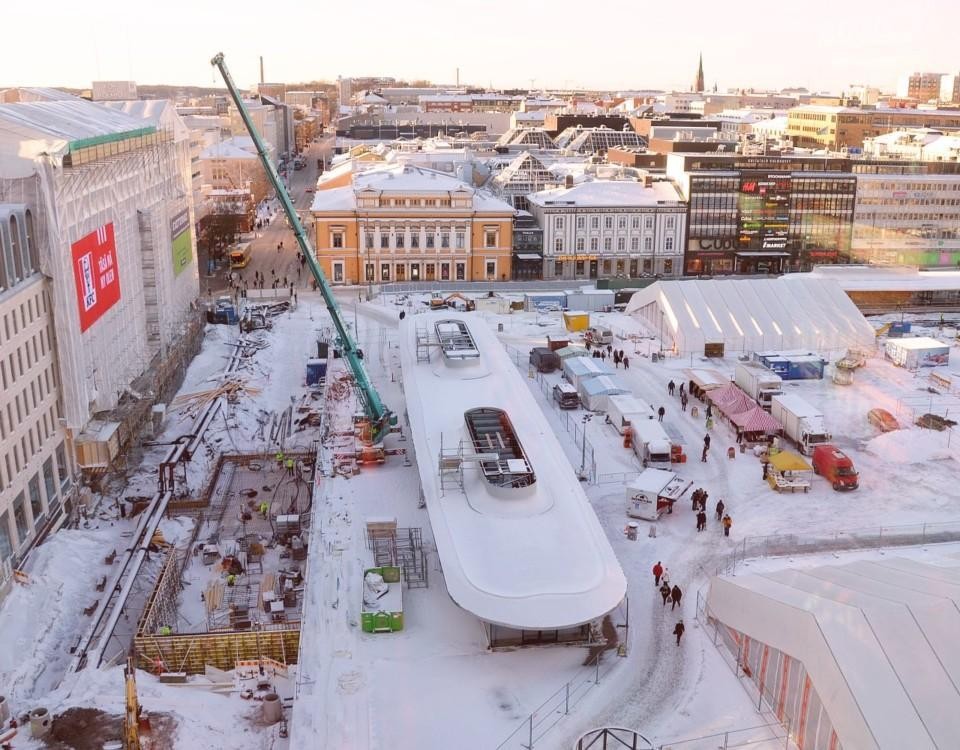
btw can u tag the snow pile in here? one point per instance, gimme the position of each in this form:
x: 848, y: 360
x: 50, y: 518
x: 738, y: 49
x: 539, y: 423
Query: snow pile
x: 41, y: 619
x: 911, y: 446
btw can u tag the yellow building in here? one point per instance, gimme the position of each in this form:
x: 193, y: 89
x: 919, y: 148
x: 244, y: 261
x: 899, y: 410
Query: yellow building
x: 811, y: 126
x: 405, y: 223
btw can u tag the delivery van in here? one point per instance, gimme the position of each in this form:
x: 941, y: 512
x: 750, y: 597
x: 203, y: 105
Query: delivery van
x: 566, y: 396
x: 836, y: 467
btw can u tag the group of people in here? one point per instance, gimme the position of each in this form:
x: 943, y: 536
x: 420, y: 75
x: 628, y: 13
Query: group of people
x: 617, y: 355
x: 661, y: 581
x: 699, y: 506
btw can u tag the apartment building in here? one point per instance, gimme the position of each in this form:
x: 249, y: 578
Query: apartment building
x: 36, y: 471
x: 921, y: 87
x: 406, y: 223
x: 835, y: 128
x: 611, y: 228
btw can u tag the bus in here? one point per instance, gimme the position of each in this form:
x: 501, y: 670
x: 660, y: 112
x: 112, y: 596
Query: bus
x: 240, y: 256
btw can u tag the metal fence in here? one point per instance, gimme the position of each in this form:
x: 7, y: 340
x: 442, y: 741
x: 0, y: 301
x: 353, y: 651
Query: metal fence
x: 553, y: 710
x: 869, y: 538
x: 761, y: 737
x: 571, y: 422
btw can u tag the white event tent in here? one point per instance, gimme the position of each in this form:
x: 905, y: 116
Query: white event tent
x: 746, y: 315
x: 862, y: 655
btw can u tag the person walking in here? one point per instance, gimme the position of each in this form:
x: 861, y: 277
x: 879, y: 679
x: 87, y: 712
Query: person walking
x: 706, y: 442
x: 720, y: 507
x: 665, y: 577
x: 703, y: 500
x: 727, y: 523
x: 703, y: 456
x: 709, y: 411
x: 660, y: 412
x: 675, y: 596
x: 665, y: 592
x: 695, y: 499
x: 682, y: 392
x: 671, y: 387
x: 626, y: 363
x: 610, y: 349
x: 766, y: 470
x: 678, y: 631
x: 701, y: 520
x: 683, y: 402
x: 657, y: 572
x: 289, y: 464
x: 603, y: 355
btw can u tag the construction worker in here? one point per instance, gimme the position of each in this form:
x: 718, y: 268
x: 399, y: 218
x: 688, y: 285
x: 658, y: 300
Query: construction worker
x: 264, y: 508
x: 290, y: 467
x: 279, y: 458
x: 165, y: 630
x: 231, y: 579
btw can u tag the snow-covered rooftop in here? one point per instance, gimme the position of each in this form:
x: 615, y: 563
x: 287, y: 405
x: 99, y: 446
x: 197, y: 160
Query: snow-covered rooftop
x: 609, y: 193
x: 534, y: 557
x: 894, y: 279
x: 225, y: 150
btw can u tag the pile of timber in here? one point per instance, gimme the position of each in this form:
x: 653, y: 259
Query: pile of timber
x: 232, y: 389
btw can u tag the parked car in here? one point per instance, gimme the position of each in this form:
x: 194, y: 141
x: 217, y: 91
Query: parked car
x: 836, y: 467
x: 883, y: 420
x: 566, y: 396
x: 599, y: 335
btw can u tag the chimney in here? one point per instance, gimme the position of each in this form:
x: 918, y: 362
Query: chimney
x: 262, y: 79
x: 568, y: 181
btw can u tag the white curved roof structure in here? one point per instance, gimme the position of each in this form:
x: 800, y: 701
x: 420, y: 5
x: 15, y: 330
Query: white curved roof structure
x: 519, y: 542
x: 878, y: 641
x: 752, y: 314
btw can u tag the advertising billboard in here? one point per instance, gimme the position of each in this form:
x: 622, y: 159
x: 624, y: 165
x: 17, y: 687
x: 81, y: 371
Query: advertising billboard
x: 180, y: 233
x: 96, y: 274
x: 764, y: 204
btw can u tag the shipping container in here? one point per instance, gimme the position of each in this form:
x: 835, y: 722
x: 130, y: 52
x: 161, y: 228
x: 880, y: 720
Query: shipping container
x: 917, y: 352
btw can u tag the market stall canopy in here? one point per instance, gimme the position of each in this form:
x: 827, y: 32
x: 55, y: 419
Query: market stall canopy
x: 787, y: 461
x: 738, y: 403
x: 756, y: 420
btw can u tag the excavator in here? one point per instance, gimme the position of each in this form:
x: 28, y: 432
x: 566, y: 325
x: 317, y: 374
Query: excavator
x: 439, y: 303
x: 131, y: 717
x: 378, y: 420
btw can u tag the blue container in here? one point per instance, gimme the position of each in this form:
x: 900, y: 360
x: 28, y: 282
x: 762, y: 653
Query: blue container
x: 897, y: 330
x: 316, y: 370
x: 779, y: 365
x: 805, y: 369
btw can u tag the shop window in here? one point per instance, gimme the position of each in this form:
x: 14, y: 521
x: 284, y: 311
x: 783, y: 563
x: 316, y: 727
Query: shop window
x: 668, y: 266
x: 338, y: 272
x: 491, y: 269
x: 461, y: 271
x: 633, y: 267
x: 558, y: 268
x: 384, y: 272
x: 647, y: 265
x: 414, y: 272
x: 370, y: 272
x: 579, y: 268
x: 444, y: 272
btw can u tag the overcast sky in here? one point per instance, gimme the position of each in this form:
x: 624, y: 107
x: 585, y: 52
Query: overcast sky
x: 614, y: 44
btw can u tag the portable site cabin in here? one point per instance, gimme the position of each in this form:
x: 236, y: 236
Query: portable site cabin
x: 589, y: 298
x: 625, y: 409
x: 578, y: 369
x: 576, y: 320
x: 494, y: 304
x: 594, y: 392
x: 544, y: 360
x: 652, y: 493
x: 382, y: 604
x: 544, y: 301
x: 917, y: 352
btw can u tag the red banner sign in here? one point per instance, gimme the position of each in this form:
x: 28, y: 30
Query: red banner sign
x: 96, y: 274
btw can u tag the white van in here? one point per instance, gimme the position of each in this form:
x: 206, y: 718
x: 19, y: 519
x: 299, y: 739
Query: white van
x: 600, y: 335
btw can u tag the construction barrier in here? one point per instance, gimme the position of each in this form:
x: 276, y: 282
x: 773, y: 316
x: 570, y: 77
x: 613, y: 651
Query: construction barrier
x: 191, y: 652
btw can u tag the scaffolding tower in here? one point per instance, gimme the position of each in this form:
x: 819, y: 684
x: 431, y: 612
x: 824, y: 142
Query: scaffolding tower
x: 403, y: 548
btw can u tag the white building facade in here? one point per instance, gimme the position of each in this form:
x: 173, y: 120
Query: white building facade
x: 611, y: 229
x: 36, y: 471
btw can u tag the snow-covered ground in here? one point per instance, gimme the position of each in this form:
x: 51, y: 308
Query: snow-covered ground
x: 434, y: 684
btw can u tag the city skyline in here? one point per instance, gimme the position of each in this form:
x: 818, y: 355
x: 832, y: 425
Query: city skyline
x: 532, y: 51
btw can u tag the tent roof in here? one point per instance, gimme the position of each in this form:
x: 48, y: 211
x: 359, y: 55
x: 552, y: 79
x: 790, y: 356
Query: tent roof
x: 755, y: 420
x: 877, y: 639
x: 603, y: 384
x: 739, y: 402
x: 752, y: 314
x: 787, y: 461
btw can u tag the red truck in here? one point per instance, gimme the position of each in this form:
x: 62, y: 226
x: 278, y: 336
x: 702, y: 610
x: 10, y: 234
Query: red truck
x: 836, y: 467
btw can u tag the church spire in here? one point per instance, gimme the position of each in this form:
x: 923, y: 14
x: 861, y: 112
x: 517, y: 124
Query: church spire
x: 698, y: 84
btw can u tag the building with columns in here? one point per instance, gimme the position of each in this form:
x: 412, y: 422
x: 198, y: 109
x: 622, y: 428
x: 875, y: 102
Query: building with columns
x: 405, y: 223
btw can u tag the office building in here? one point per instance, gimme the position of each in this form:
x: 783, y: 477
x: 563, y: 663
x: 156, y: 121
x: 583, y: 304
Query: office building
x: 608, y: 228
x: 834, y: 128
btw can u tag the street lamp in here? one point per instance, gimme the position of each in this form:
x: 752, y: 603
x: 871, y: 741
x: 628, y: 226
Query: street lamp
x: 583, y: 448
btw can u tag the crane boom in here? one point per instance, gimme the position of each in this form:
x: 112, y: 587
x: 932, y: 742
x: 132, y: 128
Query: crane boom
x: 376, y: 412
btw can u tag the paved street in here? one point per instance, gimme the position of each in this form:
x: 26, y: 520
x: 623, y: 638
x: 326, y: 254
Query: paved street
x: 265, y: 258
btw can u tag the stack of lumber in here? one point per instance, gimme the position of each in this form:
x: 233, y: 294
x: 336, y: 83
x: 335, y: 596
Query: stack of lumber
x: 232, y: 389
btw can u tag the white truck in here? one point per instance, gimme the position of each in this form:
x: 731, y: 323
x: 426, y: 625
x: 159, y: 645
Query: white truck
x: 654, y: 492
x: 651, y: 443
x: 624, y: 409
x: 801, y: 422
x: 758, y: 382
